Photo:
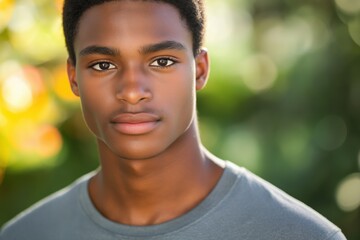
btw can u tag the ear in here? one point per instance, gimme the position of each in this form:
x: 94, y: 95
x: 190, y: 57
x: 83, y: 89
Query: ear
x: 202, y: 69
x: 71, y: 72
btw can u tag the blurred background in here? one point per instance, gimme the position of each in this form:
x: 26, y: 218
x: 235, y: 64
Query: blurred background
x: 283, y: 100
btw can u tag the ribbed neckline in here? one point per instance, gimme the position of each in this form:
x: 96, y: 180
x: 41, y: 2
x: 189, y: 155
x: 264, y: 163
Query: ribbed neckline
x: 221, y: 189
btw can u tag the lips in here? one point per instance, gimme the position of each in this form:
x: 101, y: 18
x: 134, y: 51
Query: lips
x: 135, y: 123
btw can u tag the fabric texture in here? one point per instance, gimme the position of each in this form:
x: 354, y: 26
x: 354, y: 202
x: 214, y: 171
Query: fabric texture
x: 241, y: 206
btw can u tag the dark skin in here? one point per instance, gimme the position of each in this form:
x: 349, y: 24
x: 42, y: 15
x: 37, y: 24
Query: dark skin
x: 137, y: 77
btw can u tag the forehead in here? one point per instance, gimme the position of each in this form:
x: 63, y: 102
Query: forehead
x: 131, y: 22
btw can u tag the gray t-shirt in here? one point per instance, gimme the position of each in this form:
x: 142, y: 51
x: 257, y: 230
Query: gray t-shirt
x: 241, y: 206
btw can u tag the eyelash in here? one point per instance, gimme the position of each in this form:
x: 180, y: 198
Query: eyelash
x: 112, y: 66
x: 174, y: 61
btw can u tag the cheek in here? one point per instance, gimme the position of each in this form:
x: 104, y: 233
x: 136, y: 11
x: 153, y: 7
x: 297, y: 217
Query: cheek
x: 92, y: 102
x: 181, y: 98
x: 187, y: 91
x: 90, y: 111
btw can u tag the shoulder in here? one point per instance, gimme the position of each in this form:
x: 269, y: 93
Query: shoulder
x: 44, y: 217
x: 275, y: 212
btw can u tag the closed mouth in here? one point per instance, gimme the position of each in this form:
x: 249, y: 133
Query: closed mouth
x: 135, y: 123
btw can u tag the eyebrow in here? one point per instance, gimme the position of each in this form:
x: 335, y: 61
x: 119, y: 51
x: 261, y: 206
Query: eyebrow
x: 94, y: 49
x: 147, y: 49
x: 151, y: 48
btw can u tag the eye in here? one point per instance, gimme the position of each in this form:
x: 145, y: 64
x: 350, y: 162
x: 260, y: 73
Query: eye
x: 102, y: 66
x: 163, y: 62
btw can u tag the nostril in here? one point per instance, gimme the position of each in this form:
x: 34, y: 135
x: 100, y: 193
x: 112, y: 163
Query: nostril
x: 133, y: 86
x: 144, y: 98
x: 133, y: 95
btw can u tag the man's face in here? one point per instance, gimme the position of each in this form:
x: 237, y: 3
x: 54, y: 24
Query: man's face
x: 136, y: 76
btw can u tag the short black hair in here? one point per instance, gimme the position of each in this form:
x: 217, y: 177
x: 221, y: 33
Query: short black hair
x: 192, y: 11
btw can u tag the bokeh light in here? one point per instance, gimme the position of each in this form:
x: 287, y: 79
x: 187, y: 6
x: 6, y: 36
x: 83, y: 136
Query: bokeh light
x: 44, y: 40
x: 259, y: 72
x: 61, y: 86
x: 26, y: 117
x: 285, y: 39
x: 283, y: 100
x: 20, y: 24
x: 242, y: 146
x: 42, y: 142
x: 6, y: 7
x: 220, y: 19
x: 348, y: 193
x: 349, y: 6
x: 354, y: 30
x: 16, y: 93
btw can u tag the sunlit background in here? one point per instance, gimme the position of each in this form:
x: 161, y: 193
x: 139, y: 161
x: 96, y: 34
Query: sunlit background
x: 283, y: 100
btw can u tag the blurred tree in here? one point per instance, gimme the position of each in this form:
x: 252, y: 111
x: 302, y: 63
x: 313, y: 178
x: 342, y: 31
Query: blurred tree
x: 283, y: 100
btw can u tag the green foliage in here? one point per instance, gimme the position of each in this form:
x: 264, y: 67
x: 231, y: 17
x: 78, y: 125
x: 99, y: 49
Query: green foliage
x: 283, y: 100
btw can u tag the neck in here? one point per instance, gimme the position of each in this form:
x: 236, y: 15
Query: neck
x: 158, y: 189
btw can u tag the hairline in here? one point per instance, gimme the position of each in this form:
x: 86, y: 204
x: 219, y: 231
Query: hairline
x: 182, y: 18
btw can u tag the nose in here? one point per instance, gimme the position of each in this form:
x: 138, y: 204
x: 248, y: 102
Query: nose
x: 133, y: 87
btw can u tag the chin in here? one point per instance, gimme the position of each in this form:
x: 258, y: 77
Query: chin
x: 138, y: 156
x: 137, y: 151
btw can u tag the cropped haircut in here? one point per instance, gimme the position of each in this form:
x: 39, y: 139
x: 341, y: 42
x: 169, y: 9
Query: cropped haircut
x: 192, y: 11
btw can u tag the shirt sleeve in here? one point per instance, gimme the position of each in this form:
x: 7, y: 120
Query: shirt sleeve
x: 337, y: 236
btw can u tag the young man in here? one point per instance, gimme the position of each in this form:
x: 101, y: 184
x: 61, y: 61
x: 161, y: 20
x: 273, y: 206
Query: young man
x: 136, y: 66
